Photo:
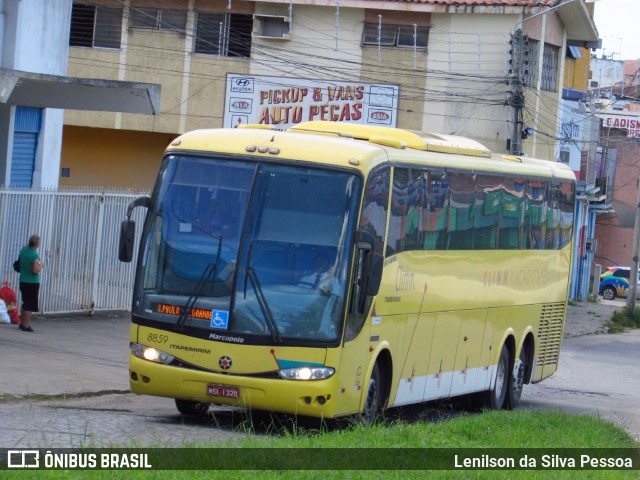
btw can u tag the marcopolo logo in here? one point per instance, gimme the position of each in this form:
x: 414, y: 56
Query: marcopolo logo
x: 225, y: 362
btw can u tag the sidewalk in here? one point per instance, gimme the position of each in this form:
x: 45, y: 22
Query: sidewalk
x: 67, y: 354
x: 586, y: 318
x: 76, y: 354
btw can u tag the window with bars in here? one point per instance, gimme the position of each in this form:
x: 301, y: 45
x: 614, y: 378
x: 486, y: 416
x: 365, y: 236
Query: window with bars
x: 225, y: 34
x: 395, y: 35
x: 549, y: 78
x: 95, y: 26
x: 158, y: 19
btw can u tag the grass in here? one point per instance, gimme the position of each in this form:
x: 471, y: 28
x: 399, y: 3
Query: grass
x: 623, y: 320
x: 520, y: 429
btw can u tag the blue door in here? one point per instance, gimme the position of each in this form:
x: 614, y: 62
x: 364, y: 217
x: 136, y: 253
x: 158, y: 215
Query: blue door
x: 25, y: 142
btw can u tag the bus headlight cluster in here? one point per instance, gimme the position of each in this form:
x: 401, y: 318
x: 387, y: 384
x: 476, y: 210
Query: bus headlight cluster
x: 151, y: 354
x: 306, y: 373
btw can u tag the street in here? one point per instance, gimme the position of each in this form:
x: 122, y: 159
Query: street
x: 598, y: 376
x: 66, y: 386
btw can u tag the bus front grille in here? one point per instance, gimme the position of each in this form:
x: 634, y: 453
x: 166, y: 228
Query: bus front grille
x: 550, y: 333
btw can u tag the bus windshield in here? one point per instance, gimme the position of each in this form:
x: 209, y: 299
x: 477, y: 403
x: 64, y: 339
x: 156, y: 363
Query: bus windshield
x: 247, y: 249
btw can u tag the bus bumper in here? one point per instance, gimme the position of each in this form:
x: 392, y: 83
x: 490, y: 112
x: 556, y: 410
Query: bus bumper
x: 315, y: 398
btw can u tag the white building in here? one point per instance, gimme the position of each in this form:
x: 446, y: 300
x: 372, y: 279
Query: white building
x: 34, y: 48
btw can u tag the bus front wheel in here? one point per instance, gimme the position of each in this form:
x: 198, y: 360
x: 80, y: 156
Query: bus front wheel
x: 494, y: 398
x: 373, y: 401
x: 191, y: 407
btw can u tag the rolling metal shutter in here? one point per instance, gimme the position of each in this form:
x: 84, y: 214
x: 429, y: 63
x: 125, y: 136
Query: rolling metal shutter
x: 25, y: 142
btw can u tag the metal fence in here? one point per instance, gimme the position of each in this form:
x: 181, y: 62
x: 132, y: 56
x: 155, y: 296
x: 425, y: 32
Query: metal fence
x: 79, y: 233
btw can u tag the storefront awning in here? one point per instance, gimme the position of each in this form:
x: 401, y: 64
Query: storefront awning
x: 54, y: 91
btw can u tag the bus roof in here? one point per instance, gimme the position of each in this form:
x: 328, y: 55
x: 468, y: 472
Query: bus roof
x: 364, y: 147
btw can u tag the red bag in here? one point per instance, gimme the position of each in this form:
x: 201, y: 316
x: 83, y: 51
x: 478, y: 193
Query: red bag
x: 9, y: 297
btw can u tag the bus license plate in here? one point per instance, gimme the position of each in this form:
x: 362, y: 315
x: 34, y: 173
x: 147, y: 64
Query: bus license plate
x: 223, y: 391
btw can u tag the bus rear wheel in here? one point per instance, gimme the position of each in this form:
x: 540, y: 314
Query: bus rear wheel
x: 517, y: 380
x: 191, y: 407
x: 495, y: 398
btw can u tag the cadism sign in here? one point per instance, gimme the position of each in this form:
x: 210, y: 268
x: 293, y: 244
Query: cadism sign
x: 285, y: 102
x: 630, y: 123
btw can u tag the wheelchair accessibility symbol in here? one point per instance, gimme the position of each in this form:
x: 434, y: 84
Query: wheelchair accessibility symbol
x: 220, y: 319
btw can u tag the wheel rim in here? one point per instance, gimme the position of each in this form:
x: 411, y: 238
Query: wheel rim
x: 371, y: 403
x: 518, y: 377
x: 608, y: 294
x: 500, y: 380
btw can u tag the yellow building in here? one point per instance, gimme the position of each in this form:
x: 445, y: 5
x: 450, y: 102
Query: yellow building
x: 424, y: 65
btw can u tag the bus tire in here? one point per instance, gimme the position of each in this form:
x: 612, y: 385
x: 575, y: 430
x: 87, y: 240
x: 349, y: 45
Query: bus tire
x: 495, y: 397
x: 192, y: 407
x: 517, y: 380
x: 373, y: 400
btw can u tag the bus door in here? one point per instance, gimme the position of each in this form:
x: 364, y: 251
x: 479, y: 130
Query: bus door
x: 356, y: 353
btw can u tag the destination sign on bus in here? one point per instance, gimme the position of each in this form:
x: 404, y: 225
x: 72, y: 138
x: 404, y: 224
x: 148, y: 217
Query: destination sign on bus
x: 169, y: 309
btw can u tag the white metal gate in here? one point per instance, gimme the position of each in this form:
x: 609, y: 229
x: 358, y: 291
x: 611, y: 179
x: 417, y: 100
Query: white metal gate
x: 79, y: 246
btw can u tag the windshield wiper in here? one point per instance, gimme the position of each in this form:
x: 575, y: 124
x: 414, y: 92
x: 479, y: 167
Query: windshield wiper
x: 262, y: 302
x: 208, y: 274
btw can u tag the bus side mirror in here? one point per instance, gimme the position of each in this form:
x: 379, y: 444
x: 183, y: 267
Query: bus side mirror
x: 127, y: 236
x: 371, y: 264
x: 128, y: 229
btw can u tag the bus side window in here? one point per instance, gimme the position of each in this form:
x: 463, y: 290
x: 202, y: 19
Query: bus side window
x: 373, y: 219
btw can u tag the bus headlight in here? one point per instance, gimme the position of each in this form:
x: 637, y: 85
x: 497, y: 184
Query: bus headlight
x: 151, y: 354
x: 306, y: 373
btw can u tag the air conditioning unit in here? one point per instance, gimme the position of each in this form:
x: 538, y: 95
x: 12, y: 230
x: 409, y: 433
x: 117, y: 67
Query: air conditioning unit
x: 271, y: 26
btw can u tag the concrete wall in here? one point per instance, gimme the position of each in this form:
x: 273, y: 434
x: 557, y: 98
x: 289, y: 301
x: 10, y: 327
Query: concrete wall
x: 615, y: 242
x: 437, y: 91
x: 313, y: 41
x: 35, y: 38
x: 99, y: 157
x: 480, y: 45
x: 607, y: 72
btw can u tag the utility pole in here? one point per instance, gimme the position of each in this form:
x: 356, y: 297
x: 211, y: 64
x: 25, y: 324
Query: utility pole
x: 633, y: 274
x: 519, y: 63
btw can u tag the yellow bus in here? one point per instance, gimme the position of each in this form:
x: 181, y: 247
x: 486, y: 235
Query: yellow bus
x: 337, y: 269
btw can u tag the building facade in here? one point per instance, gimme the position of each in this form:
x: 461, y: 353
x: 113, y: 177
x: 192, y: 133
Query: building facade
x: 421, y: 65
x: 32, y: 134
x: 34, y: 90
x: 615, y: 226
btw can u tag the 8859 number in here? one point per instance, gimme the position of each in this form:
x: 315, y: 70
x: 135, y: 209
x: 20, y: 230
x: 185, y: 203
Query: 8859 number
x: 157, y: 338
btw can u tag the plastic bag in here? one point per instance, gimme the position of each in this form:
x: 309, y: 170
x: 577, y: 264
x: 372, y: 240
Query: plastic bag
x: 4, y: 314
x: 8, y: 296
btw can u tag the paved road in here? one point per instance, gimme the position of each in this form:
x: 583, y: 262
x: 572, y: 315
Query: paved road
x: 599, y: 375
x: 83, y: 360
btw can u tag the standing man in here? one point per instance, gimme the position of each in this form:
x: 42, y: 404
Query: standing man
x: 30, y: 267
